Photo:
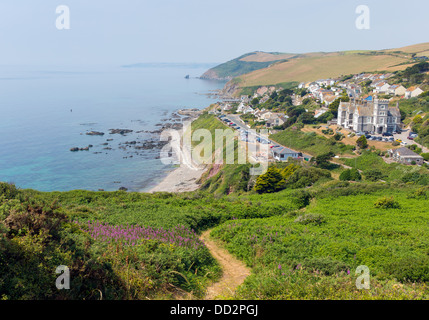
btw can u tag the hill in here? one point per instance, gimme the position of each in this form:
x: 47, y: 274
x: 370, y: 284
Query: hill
x: 259, y: 68
x: 244, y: 64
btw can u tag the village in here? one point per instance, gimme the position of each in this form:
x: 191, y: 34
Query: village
x: 365, y: 105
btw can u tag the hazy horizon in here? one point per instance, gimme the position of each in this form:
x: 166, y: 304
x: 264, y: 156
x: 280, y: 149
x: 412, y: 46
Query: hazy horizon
x: 129, y: 32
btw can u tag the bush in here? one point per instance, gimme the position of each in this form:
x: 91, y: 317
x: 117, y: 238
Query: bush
x: 415, y: 269
x: 387, y: 203
x: 311, y: 218
x: 8, y: 190
x: 350, y: 175
x: 362, y: 142
x: 373, y: 175
x: 326, y: 265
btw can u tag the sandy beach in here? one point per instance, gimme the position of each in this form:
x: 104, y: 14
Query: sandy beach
x: 183, y: 178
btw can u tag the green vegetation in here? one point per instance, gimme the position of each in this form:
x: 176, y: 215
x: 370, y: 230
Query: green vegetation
x: 350, y: 175
x: 310, y: 142
x: 237, y: 67
x: 302, y: 232
x: 375, y: 168
x: 314, y: 254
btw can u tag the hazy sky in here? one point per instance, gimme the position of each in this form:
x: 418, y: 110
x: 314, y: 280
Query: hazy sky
x: 129, y: 31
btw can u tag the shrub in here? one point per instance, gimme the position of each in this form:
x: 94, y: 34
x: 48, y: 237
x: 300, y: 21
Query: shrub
x: 8, y: 190
x: 326, y: 265
x: 350, y: 175
x: 373, y: 175
x: 362, y: 142
x: 270, y: 181
x: 311, y: 218
x: 414, y: 269
x: 301, y: 198
x: 387, y: 203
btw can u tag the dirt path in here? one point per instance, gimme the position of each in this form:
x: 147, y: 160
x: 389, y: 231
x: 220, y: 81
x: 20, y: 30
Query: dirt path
x: 234, y: 271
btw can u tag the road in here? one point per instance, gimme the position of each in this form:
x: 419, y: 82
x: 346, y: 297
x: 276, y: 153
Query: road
x: 252, y: 134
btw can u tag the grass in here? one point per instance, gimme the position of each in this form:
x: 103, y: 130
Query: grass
x: 308, y: 255
x: 393, y: 171
x: 321, y: 67
x: 310, y: 142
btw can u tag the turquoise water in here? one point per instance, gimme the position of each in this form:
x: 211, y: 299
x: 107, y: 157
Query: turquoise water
x: 46, y: 111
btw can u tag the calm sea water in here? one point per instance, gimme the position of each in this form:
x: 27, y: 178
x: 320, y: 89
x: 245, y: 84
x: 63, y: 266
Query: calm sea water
x: 45, y: 111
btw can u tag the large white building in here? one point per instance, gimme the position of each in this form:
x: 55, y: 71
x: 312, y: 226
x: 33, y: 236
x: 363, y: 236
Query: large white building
x: 369, y: 116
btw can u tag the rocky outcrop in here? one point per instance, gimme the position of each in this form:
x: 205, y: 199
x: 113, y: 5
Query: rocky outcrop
x: 95, y: 133
x: 75, y: 149
x: 231, y: 89
x: 120, y: 131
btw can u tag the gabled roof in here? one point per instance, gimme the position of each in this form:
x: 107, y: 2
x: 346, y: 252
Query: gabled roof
x: 411, y: 89
x: 283, y: 150
x: 406, y: 152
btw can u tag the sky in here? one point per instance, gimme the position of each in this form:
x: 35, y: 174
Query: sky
x: 118, y: 32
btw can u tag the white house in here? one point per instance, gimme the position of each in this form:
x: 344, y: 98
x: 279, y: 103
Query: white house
x: 413, y: 92
x: 283, y: 154
x: 397, y: 90
x: 381, y: 87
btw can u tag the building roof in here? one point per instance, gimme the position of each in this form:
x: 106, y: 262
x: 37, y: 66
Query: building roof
x: 283, y: 150
x: 406, y: 152
x: 411, y: 89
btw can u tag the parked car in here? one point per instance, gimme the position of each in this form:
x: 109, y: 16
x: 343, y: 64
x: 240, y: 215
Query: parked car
x: 410, y: 138
x: 379, y: 138
x: 367, y: 135
x: 387, y: 134
x: 398, y: 140
x: 360, y: 134
x: 403, y: 143
x: 391, y: 139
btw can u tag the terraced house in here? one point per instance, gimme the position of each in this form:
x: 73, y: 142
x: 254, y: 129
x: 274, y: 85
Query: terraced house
x: 369, y: 116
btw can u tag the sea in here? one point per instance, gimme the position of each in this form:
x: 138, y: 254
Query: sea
x: 45, y: 111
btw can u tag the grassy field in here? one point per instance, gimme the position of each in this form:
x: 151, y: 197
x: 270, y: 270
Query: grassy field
x: 313, y: 254
x: 390, y: 172
x: 382, y: 146
x: 321, y: 67
x: 310, y: 142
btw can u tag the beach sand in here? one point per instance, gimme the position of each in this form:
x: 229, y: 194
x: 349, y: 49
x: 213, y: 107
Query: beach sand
x: 181, y: 179
x: 185, y: 177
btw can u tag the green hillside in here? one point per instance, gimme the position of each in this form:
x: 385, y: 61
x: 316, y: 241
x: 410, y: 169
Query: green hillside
x: 237, y: 67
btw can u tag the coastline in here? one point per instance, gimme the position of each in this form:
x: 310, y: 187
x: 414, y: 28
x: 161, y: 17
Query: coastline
x: 183, y: 178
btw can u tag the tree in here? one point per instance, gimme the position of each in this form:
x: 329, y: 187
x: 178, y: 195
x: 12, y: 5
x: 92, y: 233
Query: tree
x: 322, y: 160
x: 307, y: 118
x: 362, y: 142
x: 254, y: 102
x: 418, y: 119
x: 373, y: 175
x: 269, y: 182
x: 350, y: 175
